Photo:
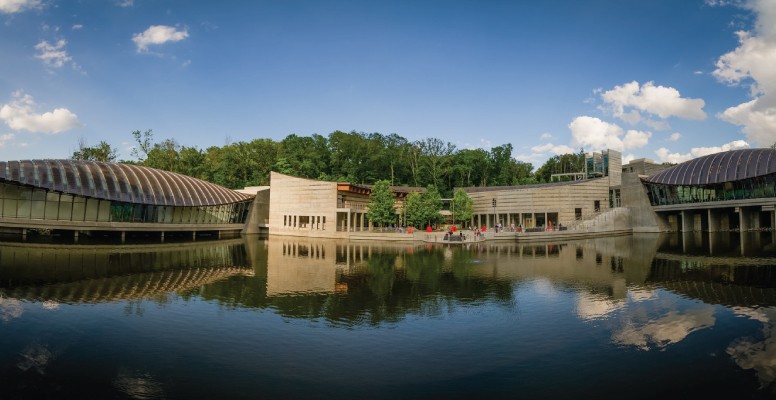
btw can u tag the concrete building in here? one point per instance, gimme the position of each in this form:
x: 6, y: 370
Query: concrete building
x: 85, y: 197
x: 732, y: 190
x: 307, y: 207
x: 538, y: 207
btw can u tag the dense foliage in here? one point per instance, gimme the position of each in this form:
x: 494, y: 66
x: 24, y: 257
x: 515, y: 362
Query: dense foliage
x: 381, y: 207
x: 354, y: 157
x: 423, y: 208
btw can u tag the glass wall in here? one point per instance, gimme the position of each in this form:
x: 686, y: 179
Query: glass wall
x: 33, y: 203
x: 754, y: 188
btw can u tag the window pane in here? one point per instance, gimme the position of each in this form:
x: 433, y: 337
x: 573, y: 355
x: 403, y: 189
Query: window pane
x: 91, y: 209
x: 79, y: 208
x: 65, y: 207
x: 52, y: 205
x: 104, y: 211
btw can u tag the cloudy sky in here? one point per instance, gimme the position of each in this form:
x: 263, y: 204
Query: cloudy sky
x: 662, y: 79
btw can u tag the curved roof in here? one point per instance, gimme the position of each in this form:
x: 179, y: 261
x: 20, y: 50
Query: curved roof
x: 722, y: 167
x: 118, y: 182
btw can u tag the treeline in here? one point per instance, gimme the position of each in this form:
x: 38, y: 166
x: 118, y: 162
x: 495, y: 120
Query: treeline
x: 354, y: 157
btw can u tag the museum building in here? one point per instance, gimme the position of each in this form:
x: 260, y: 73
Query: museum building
x: 78, y: 196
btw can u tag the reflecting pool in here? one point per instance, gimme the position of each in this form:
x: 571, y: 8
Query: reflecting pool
x: 642, y: 316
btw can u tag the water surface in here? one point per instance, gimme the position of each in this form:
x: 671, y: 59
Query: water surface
x: 646, y: 316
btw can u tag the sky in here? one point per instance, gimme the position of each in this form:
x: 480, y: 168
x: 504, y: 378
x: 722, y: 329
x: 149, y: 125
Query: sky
x: 660, y: 79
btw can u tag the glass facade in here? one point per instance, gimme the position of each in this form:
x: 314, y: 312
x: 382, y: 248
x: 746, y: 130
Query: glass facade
x: 753, y: 188
x: 36, y: 203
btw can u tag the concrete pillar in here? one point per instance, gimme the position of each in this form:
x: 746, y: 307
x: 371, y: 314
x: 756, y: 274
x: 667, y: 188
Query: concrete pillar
x: 123, y: 236
x: 162, y: 236
x: 714, y: 223
x: 743, y: 217
x: 686, y: 221
x: 348, y: 221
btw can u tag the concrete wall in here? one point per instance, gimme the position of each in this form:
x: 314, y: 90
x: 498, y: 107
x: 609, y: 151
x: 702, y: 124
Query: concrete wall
x: 634, y: 197
x: 294, y: 198
x: 258, y: 215
x: 561, y: 199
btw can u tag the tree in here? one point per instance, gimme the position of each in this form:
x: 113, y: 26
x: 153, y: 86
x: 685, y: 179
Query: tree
x: 381, y: 206
x: 423, y: 208
x: 145, y: 142
x: 101, y: 152
x: 436, y: 157
x: 462, y: 206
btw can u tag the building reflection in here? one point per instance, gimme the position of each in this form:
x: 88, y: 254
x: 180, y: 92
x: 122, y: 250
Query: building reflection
x: 91, y: 274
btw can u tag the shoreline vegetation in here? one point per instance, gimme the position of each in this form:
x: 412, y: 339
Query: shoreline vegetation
x: 356, y: 157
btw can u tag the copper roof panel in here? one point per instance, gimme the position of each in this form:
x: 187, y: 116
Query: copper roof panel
x: 720, y: 167
x: 118, y: 182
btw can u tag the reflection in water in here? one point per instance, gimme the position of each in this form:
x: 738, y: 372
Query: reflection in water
x: 10, y: 308
x: 757, y: 354
x: 670, y: 328
x: 138, y: 385
x: 35, y: 358
x: 487, y: 309
x: 93, y: 274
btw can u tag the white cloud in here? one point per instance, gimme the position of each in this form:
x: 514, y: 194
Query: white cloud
x: 545, y: 136
x: 752, y: 62
x: 594, y: 134
x: 125, y: 3
x: 77, y: 27
x: 15, y: 6
x: 627, y: 158
x: 635, y: 139
x: 551, y: 148
x: 156, y: 35
x: 675, y: 136
x: 5, y: 138
x: 53, y: 55
x: 20, y: 114
x: 665, y: 155
x: 628, y: 101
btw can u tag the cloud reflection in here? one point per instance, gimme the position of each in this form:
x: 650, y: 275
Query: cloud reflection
x: 666, y: 330
x: 591, y: 306
x: 10, y: 308
x: 138, y: 385
x: 35, y: 357
x: 758, y: 355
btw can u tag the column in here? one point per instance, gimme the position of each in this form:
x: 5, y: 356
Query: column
x: 744, y: 221
x: 713, y: 221
x: 686, y: 221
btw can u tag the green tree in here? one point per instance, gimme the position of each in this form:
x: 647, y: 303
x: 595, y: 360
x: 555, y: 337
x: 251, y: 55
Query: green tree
x: 101, y: 152
x: 381, y: 205
x: 423, y: 207
x: 145, y: 141
x: 436, y: 158
x: 462, y: 206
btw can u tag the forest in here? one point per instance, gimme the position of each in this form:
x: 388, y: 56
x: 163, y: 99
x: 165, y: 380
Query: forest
x: 354, y: 157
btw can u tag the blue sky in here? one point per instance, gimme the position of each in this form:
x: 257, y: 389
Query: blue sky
x: 663, y: 79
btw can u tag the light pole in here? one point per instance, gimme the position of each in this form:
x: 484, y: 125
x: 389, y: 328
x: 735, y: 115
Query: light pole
x: 494, y: 212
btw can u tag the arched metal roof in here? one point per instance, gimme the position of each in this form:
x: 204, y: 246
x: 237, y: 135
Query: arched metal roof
x: 118, y: 182
x: 722, y: 167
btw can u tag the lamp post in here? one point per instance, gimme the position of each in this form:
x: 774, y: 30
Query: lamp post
x: 494, y: 212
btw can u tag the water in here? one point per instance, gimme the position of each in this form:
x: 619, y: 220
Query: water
x: 646, y: 316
